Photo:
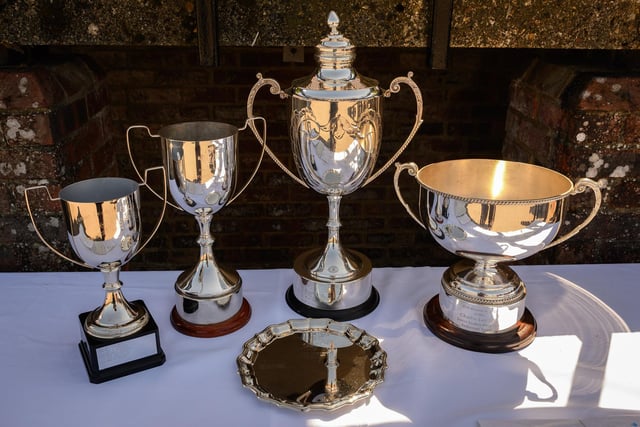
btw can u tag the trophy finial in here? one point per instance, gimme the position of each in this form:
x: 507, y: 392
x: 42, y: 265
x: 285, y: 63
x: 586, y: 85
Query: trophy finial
x: 333, y: 21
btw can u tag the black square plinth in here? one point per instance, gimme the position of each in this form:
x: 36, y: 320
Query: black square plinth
x: 107, y: 359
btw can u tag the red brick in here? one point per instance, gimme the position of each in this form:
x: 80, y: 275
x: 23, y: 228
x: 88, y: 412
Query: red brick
x: 74, y: 76
x: 26, y: 129
x: 550, y: 113
x: 610, y: 94
x: 596, y: 136
x: 43, y: 200
x: 103, y: 161
x: 24, y: 89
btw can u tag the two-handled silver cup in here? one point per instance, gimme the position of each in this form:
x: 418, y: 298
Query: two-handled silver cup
x: 102, y: 217
x: 201, y: 159
x: 336, y: 135
x: 490, y: 212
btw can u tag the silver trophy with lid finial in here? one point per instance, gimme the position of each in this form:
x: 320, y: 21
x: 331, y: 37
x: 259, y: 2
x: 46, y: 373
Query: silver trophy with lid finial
x: 336, y: 135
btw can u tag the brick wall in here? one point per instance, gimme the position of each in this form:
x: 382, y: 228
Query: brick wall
x: 582, y: 120
x: 275, y: 219
x: 55, y: 128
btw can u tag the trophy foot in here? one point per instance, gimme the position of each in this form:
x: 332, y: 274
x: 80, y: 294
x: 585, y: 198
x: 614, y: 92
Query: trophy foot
x: 338, y: 298
x: 109, y: 358
x: 340, y: 315
x: 116, y: 320
x: 212, y: 330
x: 514, y: 339
x: 209, y: 302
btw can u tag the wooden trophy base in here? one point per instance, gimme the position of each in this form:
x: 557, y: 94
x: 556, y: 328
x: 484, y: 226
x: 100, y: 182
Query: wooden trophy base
x: 515, y: 339
x: 212, y: 330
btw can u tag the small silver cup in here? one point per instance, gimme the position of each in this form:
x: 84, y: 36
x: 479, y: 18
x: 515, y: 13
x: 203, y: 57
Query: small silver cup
x: 201, y: 161
x: 102, y: 217
x: 489, y: 212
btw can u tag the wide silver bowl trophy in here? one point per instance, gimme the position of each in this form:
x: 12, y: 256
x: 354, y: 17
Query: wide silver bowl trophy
x: 489, y: 212
x: 336, y: 134
x: 201, y: 159
x: 103, y: 222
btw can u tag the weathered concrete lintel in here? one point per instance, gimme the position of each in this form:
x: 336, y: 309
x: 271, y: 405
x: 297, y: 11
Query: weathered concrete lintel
x: 578, y: 24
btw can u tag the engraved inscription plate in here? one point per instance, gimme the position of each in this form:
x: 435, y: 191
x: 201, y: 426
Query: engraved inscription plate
x: 478, y: 317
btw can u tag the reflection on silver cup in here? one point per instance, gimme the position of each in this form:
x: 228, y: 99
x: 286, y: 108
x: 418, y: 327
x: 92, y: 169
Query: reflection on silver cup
x: 489, y: 212
x: 336, y: 135
x: 103, y: 226
x: 201, y: 159
x: 104, y: 229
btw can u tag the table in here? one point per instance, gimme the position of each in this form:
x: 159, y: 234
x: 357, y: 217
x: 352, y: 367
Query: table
x: 583, y: 363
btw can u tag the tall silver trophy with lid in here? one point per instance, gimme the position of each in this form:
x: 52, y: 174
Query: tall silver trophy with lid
x: 336, y: 134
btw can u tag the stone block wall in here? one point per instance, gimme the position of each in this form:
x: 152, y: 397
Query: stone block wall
x: 583, y: 121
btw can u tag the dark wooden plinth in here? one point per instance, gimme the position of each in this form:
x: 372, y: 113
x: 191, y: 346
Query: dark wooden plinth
x: 230, y: 325
x: 127, y: 347
x: 516, y: 339
x: 341, y: 315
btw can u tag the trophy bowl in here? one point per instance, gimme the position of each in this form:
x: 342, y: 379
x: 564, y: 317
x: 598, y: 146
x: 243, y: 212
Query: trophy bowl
x: 336, y: 136
x: 490, y: 212
x: 103, y: 222
x: 201, y: 161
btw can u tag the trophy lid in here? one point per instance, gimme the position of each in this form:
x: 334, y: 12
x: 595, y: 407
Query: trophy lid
x: 335, y: 77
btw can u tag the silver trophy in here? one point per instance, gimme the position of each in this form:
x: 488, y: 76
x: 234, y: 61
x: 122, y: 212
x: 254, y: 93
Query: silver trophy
x: 104, y: 229
x: 336, y: 134
x: 201, y: 160
x: 490, y: 212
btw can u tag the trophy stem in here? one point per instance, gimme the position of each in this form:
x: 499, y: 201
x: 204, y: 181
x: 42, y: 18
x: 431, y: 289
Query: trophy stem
x: 333, y: 224
x: 210, y: 301
x: 116, y: 318
x: 205, y: 240
x: 333, y: 282
x: 485, y: 272
x: 335, y: 262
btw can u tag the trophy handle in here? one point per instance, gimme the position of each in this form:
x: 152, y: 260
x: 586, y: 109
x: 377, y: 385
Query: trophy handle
x: 580, y: 186
x: 35, y: 226
x: 275, y: 90
x: 412, y: 169
x: 394, y: 87
x: 164, y: 204
x: 264, y: 147
x: 135, y: 167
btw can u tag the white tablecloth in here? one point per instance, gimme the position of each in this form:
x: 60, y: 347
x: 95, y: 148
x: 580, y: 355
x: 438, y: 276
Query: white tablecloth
x: 584, y: 363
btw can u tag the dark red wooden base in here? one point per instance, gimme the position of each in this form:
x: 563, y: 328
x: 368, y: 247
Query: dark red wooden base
x: 230, y: 325
x: 515, y: 339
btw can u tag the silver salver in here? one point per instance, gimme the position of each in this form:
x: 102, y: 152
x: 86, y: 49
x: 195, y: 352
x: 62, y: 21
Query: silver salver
x: 312, y: 364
